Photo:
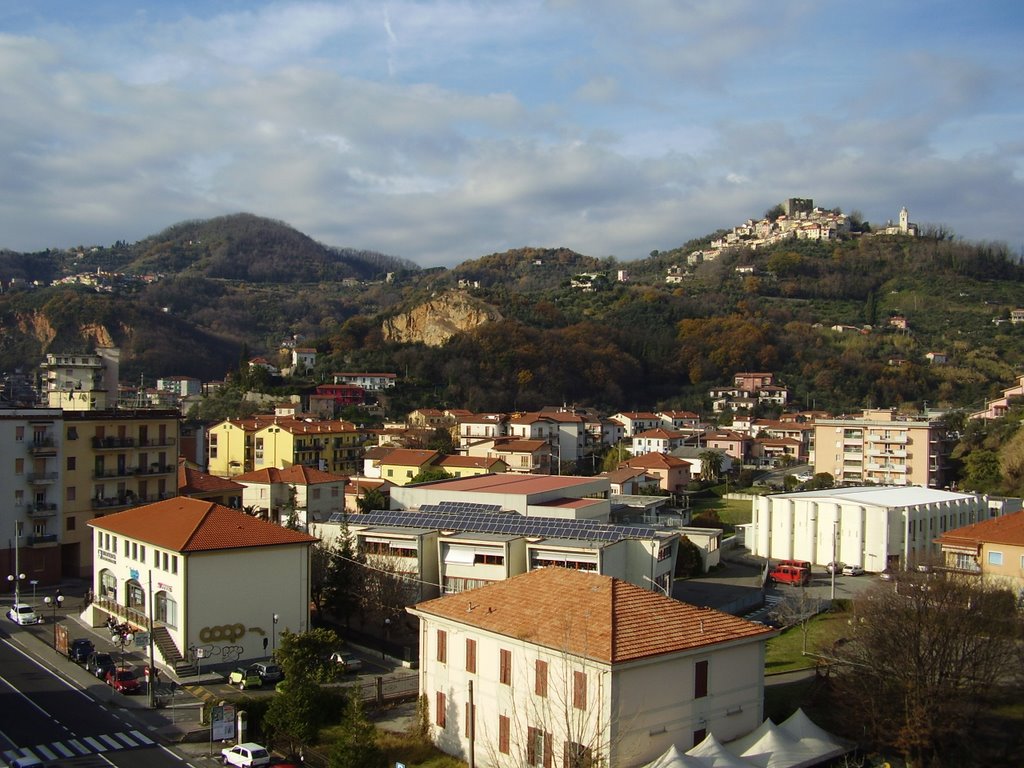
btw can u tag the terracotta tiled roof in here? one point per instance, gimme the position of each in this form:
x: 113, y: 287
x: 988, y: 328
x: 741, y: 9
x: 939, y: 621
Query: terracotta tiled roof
x: 656, y: 461
x: 511, y: 445
x: 192, y: 480
x: 660, y: 433
x: 182, y: 524
x: 590, y: 615
x: 297, y: 473
x: 409, y: 457
x: 1005, y: 529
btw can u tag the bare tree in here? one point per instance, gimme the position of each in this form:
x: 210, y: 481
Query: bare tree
x: 923, y: 657
x: 796, y: 610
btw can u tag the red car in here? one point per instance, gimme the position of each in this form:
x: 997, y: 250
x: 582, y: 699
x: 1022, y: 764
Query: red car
x: 123, y: 681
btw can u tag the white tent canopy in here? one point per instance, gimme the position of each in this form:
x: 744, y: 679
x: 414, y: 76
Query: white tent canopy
x: 795, y: 743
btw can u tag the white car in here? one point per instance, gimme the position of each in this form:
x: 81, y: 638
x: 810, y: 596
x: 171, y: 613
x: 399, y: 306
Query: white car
x: 22, y: 613
x: 852, y: 570
x: 245, y: 754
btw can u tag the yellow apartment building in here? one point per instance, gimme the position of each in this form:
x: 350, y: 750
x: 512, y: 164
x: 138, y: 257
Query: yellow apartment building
x: 112, y: 460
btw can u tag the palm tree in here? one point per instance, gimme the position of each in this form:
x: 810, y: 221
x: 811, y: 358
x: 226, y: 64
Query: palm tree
x: 711, y: 464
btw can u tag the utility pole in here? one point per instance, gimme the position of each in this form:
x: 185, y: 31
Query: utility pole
x: 152, y: 657
x: 472, y: 728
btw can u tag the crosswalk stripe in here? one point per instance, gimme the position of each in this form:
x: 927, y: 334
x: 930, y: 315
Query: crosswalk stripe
x: 10, y: 756
x: 46, y: 752
x: 128, y: 740
x: 59, y: 746
x: 94, y: 744
x: 142, y: 737
x: 112, y: 743
x: 79, y: 746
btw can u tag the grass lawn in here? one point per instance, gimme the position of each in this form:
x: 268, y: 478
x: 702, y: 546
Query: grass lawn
x: 729, y: 511
x: 405, y: 748
x: 785, y: 652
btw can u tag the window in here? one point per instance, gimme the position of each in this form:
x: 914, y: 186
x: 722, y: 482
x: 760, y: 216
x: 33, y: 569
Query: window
x: 72, y: 433
x: 70, y: 523
x: 19, y: 498
x: 174, y: 563
x: 441, y: 706
x: 503, y: 729
x: 71, y: 462
x: 142, y: 553
x: 70, y: 493
x: 334, y: 491
x: 165, y: 561
x: 505, y: 667
x: 19, y: 434
x: 995, y: 558
x: 577, y: 756
x: 213, y: 445
x: 442, y: 646
x: 579, y: 690
x: 470, y: 655
x: 699, y: 736
x: 540, y: 683
x: 316, y: 494
x: 19, y: 466
x: 538, y: 747
x: 700, y: 679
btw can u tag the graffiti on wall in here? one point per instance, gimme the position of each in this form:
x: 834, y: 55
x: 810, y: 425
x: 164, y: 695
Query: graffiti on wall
x: 220, y: 642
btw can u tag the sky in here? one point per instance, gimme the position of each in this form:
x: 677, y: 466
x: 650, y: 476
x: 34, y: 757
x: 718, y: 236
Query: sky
x: 444, y: 131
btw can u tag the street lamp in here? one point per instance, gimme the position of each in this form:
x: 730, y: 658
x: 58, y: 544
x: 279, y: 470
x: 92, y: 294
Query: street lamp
x: 660, y: 586
x: 17, y: 589
x: 274, y: 636
x: 54, y: 602
x: 387, y: 628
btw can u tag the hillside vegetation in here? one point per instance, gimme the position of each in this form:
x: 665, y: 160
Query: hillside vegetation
x: 242, y: 284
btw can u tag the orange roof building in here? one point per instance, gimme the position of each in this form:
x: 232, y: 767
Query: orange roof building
x: 572, y: 659
x: 204, y: 576
x: 993, y: 549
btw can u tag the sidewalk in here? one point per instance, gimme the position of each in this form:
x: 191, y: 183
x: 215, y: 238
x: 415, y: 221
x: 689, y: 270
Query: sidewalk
x: 175, y: 722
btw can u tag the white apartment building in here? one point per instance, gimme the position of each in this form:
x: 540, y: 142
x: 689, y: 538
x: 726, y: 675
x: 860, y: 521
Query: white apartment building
x: 81, y: 381
x: 565, y: 664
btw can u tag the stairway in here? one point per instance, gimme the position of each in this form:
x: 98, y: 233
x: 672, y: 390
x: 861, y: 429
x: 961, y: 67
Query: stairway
x: 170, y: 653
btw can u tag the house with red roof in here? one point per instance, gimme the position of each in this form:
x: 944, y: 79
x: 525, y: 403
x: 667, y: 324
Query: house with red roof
x: 196, y: 484
x: 673, y: 473
x: 212, y: 583
x: 297, y: 495
x: 993, y: 549
x: 567, y: 665
x: 657, y: 440
x: 470, y: 466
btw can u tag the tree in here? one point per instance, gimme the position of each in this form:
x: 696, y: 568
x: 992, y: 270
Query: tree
x: 356, y: 746
x: 429, y: 475
x: 982, y: 471
x: 441, y: 441
x: 688, y: 560
x: 371, y: 499
x: 710, y: 464
x: 295, y: 714
x: 344, y: 578
x: 385, y: 591
x: 922, y: 661
x: 616, y: 455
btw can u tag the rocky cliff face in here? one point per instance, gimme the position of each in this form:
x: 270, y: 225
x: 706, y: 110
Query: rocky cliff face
x: 437, y: 320
x: 38, y: 326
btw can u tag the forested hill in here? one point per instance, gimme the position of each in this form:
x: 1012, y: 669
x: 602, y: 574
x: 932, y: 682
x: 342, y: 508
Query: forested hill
x: 822, y: 315
x: 236, y: 247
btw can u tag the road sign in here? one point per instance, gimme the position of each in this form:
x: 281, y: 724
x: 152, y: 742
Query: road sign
x: 141, y: 639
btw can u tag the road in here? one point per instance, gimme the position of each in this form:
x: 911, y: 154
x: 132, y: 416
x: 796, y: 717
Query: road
x: 48, y: 713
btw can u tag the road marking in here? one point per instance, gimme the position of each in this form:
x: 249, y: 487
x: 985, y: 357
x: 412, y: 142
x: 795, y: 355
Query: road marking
x: 79, y: 746
x: 59, y: 746
x: 142, y: 737
x: 110, y: 742
x: 46, y: 752
x: 94, y: 744
x: 128, y: 740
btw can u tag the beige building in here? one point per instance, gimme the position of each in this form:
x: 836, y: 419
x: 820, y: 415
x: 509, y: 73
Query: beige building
x: 82, y: 382
x: 32, y: 517
x: 217, y: 585
x: 112, y: 460
x: 880, y: 447
x: 993, y: 549
x: 567, y: 665
x: 296, y: 496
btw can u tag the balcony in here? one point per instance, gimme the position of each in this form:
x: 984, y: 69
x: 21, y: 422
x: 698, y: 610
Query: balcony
x: 890, y: 439
x: 107, y: 474
x: 40, y: 540
x: 42, y: 447
x: 158, y: 442
x: 128, y: 500
x: 42, y: 478
x: 42, y: 509
x: 112, y: 443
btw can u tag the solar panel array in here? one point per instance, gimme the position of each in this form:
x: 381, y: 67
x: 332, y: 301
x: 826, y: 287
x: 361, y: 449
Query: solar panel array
x: 508, y: 523
x: 458, y: 507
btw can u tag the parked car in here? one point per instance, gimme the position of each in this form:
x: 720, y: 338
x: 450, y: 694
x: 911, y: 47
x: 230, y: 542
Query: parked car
x: 268, y: 671
x: 246, y: 754
x: 99, y: 664
x: 347, y: 662
x: 833, y: 567
x: 22, y: 613
x: 245, y: 677
x: 123, y: 681
x: 796, y: 564
x: 81, y: 649
x: 852, y: 570
x: 887, y: 575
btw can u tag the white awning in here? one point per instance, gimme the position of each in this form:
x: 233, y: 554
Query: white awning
x: 460, y: 556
